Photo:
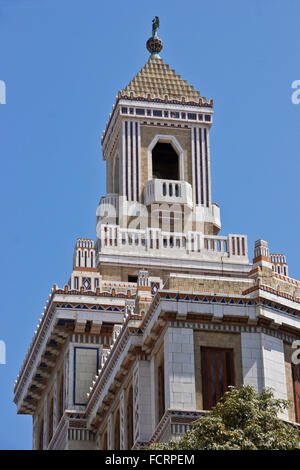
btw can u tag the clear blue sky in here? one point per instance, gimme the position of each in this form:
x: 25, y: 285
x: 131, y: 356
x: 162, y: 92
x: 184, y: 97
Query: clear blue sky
x: 63, y: 63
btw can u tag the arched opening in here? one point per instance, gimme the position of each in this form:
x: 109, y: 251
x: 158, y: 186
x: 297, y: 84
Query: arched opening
x: 165, y: 162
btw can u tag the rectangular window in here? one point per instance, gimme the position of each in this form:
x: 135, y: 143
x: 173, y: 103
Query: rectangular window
x: 157, y: 113
x: 200, y: 117
x: 296, y: 382
x: 131, y: 110
x: 166, y: 113
x: 148, y: 112
x: 174, y: 115
x: 207, y: 117
x: 182, y: 115
x: 217, y: 374
x: 76, y: 283
x: 140, y: 112
x: 96, y: 283
x: 192, y: 116
x: 161, y: 391
x: 124, y: 110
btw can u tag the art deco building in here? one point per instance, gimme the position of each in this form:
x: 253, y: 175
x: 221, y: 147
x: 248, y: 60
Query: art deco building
x: 162, y: 313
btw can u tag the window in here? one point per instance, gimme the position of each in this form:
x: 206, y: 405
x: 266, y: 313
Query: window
x: 76, y: 283
x: 41, y: 436
x: 165, y: 163
x: 200, y: 117
x: 50, y: 421
x: 140, y: 111
x: 131, y: 110
x: 124, y: 110
x: 217, y: 374
x: 207, y: 118
x: 192, y: 116
x: 174, y: 115
x: 130, y: 418
x: 296, y: 382
x: 161, y: 391
x: 157, y: 113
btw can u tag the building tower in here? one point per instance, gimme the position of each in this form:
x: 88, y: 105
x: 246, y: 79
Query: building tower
x: 162, y: 313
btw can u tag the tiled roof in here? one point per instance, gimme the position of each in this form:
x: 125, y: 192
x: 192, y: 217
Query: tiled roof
x: 157, y: 79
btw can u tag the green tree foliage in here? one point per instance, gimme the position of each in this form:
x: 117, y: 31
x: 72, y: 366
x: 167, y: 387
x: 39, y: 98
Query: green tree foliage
x: 242, y: 420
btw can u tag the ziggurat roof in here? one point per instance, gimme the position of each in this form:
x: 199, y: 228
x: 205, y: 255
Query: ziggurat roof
x: 157, y: 79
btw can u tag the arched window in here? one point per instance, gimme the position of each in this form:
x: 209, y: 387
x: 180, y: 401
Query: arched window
x: 79, y: 257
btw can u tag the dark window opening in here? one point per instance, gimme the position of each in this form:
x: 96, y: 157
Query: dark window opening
x: 41, y: 436
x: 132, y: 278
x: 296, y: 382
x: 161, y: 391
x: 50, y: 422
x: 165, y: 163
x: 217, y: 374
x: 130, y: 418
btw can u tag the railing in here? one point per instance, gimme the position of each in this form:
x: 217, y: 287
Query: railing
x: 168, y: 191
x: 154, y: 239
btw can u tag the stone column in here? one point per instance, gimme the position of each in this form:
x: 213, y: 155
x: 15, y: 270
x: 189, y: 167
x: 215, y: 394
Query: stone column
x: 110, y: 432
x: 180, y: 392
x: 55, y: 396
x: 142, y: 417
x: 264, y: 365
x: 35, y: 431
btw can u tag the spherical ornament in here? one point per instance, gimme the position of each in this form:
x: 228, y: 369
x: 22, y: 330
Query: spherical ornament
x: 154, y: 45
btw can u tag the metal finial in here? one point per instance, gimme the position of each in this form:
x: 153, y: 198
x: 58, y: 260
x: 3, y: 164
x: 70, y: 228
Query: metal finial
x: 155, y: 44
